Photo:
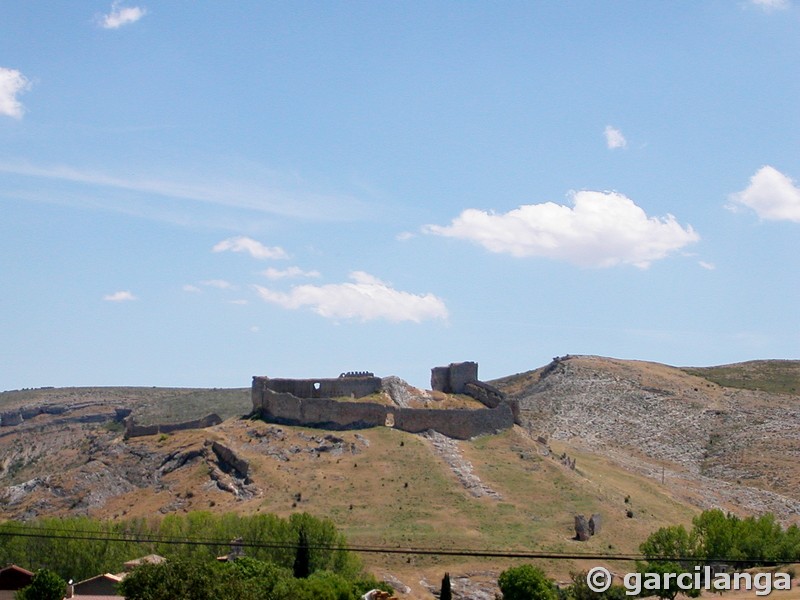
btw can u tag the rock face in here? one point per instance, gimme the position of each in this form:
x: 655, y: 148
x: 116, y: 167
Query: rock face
x: 229, y: 460
x: 401, y: 393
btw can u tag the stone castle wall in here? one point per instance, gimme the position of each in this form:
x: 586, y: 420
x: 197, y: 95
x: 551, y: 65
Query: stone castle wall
x: 326, y: 413
x: 310, y: 402
x: 460, y: 424
x: 134, y: 430
x: 454, y: 378
x: 356, y: 386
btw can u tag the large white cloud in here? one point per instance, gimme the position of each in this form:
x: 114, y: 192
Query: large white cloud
x: 121, y: 15
x: 602, y: 229
x: 12, y: 83
x: 773, y: 196
x: 252, y: 247
x: 366, y: 298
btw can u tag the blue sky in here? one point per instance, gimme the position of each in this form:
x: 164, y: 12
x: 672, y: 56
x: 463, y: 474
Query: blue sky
x: 195, y: 193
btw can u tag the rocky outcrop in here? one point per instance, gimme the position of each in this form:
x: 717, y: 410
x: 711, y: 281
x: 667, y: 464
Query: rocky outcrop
x: 229, y: 461
x: 401, y: 393
x: 70, y: 413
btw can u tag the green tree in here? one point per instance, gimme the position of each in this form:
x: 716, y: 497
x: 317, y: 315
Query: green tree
x: 302, y: 559
x: 716, y: 534
x: 671, y: 550
x: 46, y: 585
x: 671, y: 543
x: 526, y: 582
x: 171, y: 579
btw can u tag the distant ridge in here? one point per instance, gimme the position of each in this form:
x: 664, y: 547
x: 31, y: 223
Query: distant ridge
x: 774, y: 375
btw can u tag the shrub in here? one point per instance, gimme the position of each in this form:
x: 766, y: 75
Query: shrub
x: 526, y: 583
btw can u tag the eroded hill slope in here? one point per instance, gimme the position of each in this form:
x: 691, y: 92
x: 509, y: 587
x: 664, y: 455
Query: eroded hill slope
x: 736, y: 448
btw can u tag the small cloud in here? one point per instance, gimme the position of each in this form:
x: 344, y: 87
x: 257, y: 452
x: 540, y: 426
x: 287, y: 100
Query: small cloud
x: 707, y: 265
x: 614, y: 138
x: 121, y: 15
x: 252, y: 247
x: 602, y: 229
x: 122, y: 296
x: 771, y: 5
x: 192, y: 289
x: 290, y: 273
x: 404, y: 236
x: 12, y: 82
x: 239, y: 302
x: 220, y: 284
x: 366, y: 298
x: 255, y: 329
x: 771, y: 194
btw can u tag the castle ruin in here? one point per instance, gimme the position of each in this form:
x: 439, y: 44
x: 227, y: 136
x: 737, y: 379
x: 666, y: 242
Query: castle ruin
x: 312, y: 403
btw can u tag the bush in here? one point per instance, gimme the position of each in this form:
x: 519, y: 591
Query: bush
x: 46, y: 585
x: 526, y: 583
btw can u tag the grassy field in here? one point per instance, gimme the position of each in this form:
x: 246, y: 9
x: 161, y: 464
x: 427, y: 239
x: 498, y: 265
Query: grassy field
x: 774, y: 376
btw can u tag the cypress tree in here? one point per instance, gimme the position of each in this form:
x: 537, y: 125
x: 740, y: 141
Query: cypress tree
x: 302, y: 560
x: 446, y: 594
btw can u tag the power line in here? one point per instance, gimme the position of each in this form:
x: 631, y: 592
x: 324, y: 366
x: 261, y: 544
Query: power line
x: 33, y: 532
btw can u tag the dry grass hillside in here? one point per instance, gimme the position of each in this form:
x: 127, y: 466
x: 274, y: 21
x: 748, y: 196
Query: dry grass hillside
x: 732, y: 447
x: 625, y: 424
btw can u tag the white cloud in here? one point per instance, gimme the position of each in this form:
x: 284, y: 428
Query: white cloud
x: 404, y: 236
x: 707, y: 265
x: 193, y: 289
x: 770, y: 5
x: 12, y: 82
x: 122, y: 296
x: 220, y: 284
x: 239, y: 302
x: 614, y: 138
x: 601, y: 230
x: 366, y: 298
x: 290, y: 273
x: 771, y: 194
x: 252, y: 247
x: 121, y: 15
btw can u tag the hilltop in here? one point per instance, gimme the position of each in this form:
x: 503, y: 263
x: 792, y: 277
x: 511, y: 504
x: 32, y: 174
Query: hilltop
x: 626, y: 426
